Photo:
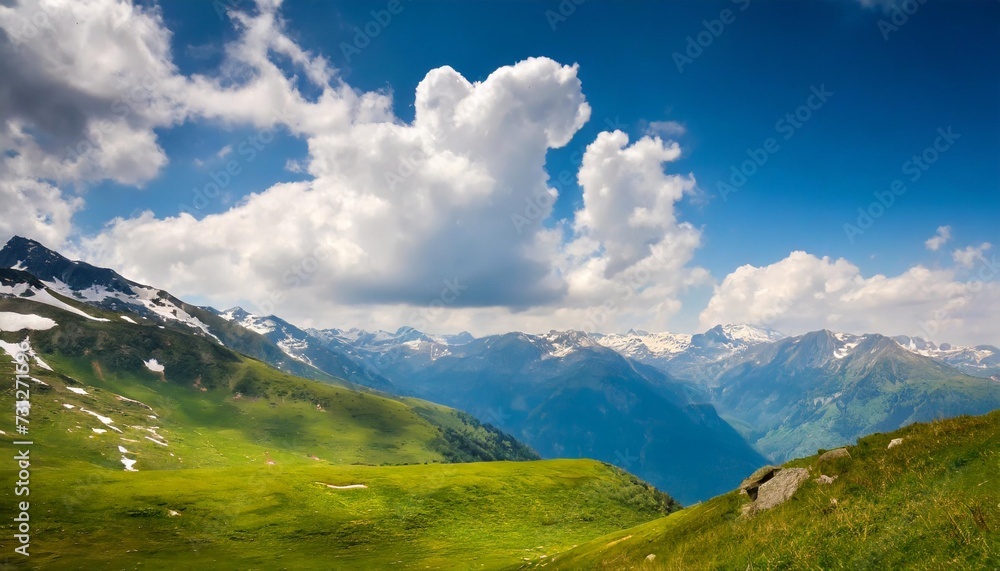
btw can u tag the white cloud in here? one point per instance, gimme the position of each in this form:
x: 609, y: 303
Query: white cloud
x: 629, y: 200
x: 971, y: 255
x: 87, y: 82
x: 940, y: 238
x: 399, y: 209
x: 880, y: 4
x: 436, y: 223
x: 35, y: 208
x: 802, y: 293
x: 666, y: 128
x: 628, y: 259
x: 395, y: 212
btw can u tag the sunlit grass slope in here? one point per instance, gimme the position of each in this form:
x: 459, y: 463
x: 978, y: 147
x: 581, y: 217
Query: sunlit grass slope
x: 931, y: 503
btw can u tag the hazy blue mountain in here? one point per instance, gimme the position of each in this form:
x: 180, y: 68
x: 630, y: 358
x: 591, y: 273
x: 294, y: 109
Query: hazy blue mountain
x: 825, y: 389
x: 332, y: 357
x: 978, y: 361
x: 565, y: 395
x: 699, y: 357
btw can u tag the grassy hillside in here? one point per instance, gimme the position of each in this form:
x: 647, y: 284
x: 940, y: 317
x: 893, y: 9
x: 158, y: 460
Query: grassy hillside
x: 931, y: 503
x: 250, y: 407
x: 454, y: 516
x: 235, y: 462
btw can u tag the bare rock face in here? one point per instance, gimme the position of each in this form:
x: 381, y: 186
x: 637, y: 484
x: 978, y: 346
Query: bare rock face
x: 777, y: 490
x: 753, y: 482
x: 895, y: 442
x: 834, y: 454
x: 824, y: 479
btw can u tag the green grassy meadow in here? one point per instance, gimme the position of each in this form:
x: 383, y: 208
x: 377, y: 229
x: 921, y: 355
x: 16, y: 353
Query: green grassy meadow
x: 235, y: 463
x: 931, y: 503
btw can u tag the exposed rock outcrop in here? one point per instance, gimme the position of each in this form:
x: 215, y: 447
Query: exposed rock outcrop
x: 834, y: 454
x: 753, y: 482
x: 780, y: 485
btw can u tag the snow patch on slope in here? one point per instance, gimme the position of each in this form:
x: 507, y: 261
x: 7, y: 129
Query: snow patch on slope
x: 107, y: 421
x: 153, y: 300
x: 154, y: 365
x: 129, y: 463
x: 10, y: 321
x: 24, y: 291
x: 14, y: 349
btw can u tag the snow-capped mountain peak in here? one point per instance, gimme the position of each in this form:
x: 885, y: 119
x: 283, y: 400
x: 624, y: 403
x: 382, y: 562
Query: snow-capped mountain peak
x: 95, y: 286
x: 255, y: 323
x: 751, y: 334
x: 981, y: 360
x: 562, y: 343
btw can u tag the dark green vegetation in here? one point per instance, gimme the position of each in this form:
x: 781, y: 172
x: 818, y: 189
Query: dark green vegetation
x: 931, y: 503
x: 237, y: 466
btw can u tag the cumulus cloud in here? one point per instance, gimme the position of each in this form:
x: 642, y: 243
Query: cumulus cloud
x: 940, y: 238
x: 445, y: 210
x: 629, y: 200
x: 442, y: 222
x: 85, y: 84
x: 35, y: 208
x: 629, y: 257
x: 971, y: 255
x: 803, y: 292
x: 395, y: 211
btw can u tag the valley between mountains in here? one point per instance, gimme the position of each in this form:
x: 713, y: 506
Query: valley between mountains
x: 223, y: 439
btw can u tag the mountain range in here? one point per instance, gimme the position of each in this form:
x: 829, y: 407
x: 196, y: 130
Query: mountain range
x: 665, y: 406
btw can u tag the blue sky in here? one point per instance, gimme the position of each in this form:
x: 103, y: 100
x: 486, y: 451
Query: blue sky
x: 890, y: 92
x: 939, y: 69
